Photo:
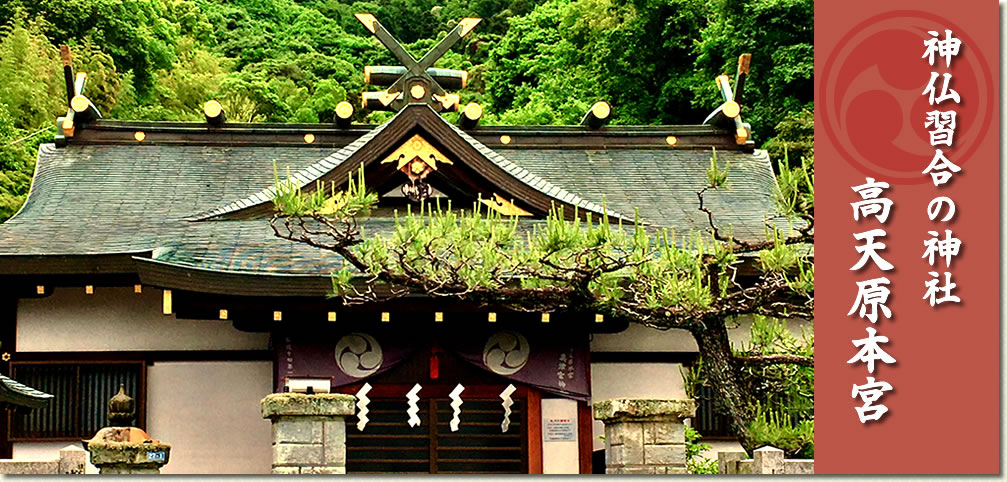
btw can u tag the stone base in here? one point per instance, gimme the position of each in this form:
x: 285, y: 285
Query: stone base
x: 644, y: 436
x: 309, y: 431
x: 127, y: 450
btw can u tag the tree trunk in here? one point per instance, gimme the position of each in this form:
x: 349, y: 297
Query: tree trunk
x: 715, y: 350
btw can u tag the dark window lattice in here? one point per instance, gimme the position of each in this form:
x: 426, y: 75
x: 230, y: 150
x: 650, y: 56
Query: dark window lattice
x: 708, y: 421
x: 81, y: 391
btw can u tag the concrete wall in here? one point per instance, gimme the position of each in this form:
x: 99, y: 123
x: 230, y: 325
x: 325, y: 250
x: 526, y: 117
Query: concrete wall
x: 68, y: 320
x: 210, y: 414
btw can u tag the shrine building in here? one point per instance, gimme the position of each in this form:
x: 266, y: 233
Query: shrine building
x: 144, y: 257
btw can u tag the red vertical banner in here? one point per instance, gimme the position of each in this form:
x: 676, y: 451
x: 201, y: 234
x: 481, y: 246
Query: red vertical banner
x: 907, y: 237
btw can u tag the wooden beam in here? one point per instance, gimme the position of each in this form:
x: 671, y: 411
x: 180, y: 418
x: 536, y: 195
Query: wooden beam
x: 724, y: 115
x: 744, y: 64
x: 379, y: 100
x: 385, y: 75
x: 64, y: 53
x: 470, y: 116
x: 83, y: 108
x: 344, y: 114
x: 214, y: 113
x: 597, y: 116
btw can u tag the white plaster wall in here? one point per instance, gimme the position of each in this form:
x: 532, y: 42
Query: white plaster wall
x: 119, y: 319
x: 641, y: 338
x: 633, y: 380
x: 46, y: 451
x: 210, y: 414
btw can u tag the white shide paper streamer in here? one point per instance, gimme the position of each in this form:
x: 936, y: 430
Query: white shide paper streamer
x: 362, y: 410
x: 414, y: 421
x: 507, y: 402
x: 456, y: 404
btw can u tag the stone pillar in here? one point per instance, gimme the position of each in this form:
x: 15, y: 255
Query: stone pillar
x: 767, y: 460
x: 309, y: 431
x: 644, y: 436
x: 121, y: 449
x: 127, y: 450
x: 72, y: 460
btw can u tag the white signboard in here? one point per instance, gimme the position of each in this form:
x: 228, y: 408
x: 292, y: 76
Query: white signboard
x: 560, y: 430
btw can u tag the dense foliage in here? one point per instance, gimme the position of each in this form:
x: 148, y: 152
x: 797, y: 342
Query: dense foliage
x: 530, y: 61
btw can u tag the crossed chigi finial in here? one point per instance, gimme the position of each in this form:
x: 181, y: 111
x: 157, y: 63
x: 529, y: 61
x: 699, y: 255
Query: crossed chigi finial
x: 80, y: 109
x: 415, y: 81
x: 728, y: 114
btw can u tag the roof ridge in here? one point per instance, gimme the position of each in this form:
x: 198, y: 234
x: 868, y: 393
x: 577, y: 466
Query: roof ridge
x: 304, y: 177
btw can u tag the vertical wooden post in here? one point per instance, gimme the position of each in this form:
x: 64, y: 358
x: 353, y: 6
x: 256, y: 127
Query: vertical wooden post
x: 8, y: 337
x: 534, y: 431
x: 585, y: 430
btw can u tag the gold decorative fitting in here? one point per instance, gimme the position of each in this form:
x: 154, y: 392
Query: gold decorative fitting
x: 166, y: 302
x: 599, y: 318
x: 504, y: 206
x: 417, y: 91
x: 370, y: 23
x: 468, y: 24
x: 138, y: 288
x: 223, y: 314
x: 492, y: 317
x: 465, y: 78
x: 68, y: 126
x: 438, y: 317
x: 722, y: 80
x: 416, y: 148
x: 367, y: 74
x: 344, y: 110
x: 79, y: 104
x: 385, y: 317
x: 89, y: 289
x: 731, y: 109
x: 545, y: 317
x: 139, y: 136
x: 40, y: 290
x: 212, y: 108
x: 387, y: 98
x: 332, y: 316
x: 5, y: 356
x: 505, y: 139
x: 601, y: 110
x: 741, y: 136
x: 449, y: 102
x: 277, y: 316
x: 671, y: 140
x: 309, y: 138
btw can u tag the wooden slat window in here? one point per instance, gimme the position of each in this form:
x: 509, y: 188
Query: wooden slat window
x: 81, y: 392
x: 389, y: 445
x: 708, y: 421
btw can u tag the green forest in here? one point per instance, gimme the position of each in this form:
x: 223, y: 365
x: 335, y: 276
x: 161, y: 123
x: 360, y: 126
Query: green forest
x: 529, y: 62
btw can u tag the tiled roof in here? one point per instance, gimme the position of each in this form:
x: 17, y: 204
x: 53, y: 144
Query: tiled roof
x: 107, y: 199
x: 15, y: 393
